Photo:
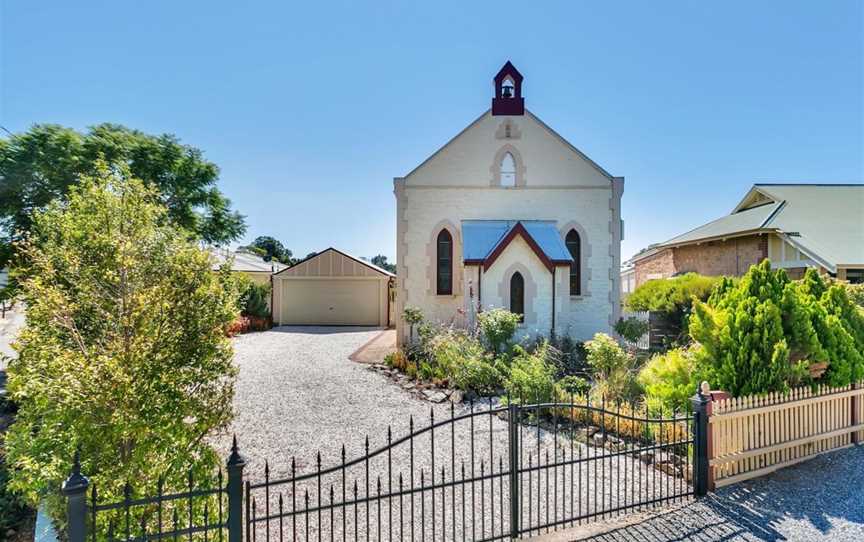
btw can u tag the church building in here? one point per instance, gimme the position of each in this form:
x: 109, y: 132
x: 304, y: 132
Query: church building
x: 510, y: 214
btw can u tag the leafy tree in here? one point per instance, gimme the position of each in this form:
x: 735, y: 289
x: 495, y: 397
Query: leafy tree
x: 124, y: 354
x: 381, y: 261
x: 44, y: 163
x: 271, y: 249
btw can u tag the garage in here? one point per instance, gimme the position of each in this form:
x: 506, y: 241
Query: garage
x: 332, y: 288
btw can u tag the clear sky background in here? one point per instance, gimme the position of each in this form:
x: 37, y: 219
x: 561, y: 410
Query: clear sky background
x: 311, y: 108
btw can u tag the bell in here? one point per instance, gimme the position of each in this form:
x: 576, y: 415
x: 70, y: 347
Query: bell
x: 508, y: 91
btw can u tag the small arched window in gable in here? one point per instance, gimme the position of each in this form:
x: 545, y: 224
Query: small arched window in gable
x: 574, y: 246
x: 508, y: 171
x: 517, y: 295
x: 444, y: 263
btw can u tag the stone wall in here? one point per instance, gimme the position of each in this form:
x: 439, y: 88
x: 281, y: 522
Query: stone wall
x: 556, y: 183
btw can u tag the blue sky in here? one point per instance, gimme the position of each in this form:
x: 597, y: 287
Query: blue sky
x: 311, y: 108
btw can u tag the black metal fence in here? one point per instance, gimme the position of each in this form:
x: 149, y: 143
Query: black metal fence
x: 493, y: 472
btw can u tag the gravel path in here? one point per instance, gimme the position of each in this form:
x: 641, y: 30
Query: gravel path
x: 298, y: 394
x: 820, y: 500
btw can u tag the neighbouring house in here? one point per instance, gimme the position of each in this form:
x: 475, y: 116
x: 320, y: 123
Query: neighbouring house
x: 796, y: 226
x: 510, y: 214
x: 247, y: 263
x: 333, y: 288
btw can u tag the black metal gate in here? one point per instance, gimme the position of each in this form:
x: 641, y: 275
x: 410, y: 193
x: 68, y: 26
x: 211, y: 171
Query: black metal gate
x: 496, y: 472
x: 503, y: 470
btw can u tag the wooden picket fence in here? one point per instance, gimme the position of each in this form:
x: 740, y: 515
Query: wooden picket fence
x: 754, y: 435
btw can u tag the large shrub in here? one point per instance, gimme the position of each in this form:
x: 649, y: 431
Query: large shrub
x: 614, y: 370
x: 498, y: 327
x: 763, y: 332
x: 448, y: 350
x: 478, y: 374
x: 669, y: 380
x: 124, y: 355
x: 254, y: 297
x: 531, y: 377
x: 631, y: 329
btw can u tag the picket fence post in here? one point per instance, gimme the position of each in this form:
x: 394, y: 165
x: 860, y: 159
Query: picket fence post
x: 75, y: 491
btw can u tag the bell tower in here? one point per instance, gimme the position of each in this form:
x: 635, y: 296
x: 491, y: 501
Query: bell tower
x: 508, y: 98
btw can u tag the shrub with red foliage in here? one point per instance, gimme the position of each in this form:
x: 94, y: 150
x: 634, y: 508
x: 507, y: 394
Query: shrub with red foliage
x: 246, y: 324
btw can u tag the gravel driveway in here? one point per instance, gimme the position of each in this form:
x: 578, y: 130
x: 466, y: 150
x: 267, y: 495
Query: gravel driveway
x: 820, y: 500
x: 298, y: 394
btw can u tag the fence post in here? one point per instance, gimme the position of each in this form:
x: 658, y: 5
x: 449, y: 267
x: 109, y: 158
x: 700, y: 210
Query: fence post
x: 75, y: 491
x: 855, y: 407
x: 235, y: 465
x: 513, y: 434
x: 700, y: 439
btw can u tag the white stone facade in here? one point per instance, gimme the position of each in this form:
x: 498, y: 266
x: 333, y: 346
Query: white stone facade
x: 554, y: 182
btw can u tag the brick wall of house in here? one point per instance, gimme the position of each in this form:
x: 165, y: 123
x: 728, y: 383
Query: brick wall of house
x: 662, y: 264
x: 731, y: 257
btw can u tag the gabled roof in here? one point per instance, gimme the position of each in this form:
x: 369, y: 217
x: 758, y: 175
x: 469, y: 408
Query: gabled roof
x: 825, y: 221
x: 529, y: 114
x: 736, y: 224
x: 484, y: 240
x: 356, y: 259
x: 246, y: 262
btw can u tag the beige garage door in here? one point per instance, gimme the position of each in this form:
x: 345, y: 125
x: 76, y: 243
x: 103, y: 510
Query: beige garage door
x: 329, y: 301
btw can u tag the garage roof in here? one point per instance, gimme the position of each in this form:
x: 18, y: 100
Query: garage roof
x: 361, y: 261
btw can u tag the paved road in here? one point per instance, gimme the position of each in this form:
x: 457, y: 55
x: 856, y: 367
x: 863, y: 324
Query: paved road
x: 821, y: 500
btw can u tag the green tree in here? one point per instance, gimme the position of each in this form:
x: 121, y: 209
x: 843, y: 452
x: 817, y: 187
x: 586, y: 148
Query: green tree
x: 271, y: 249
x: 124, y: 354
x: 381, y: 261
x: 42, y: 164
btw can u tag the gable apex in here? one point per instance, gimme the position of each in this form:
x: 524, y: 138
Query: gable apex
x: 508, y: 69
